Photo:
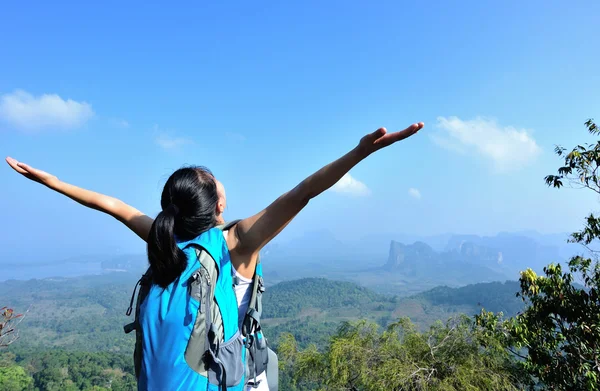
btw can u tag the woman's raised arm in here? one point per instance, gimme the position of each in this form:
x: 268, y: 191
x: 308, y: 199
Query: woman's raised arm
x: 128, y: 215
x: 253, y: 233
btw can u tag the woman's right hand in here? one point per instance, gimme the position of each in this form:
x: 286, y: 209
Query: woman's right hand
x: 33, y: 174
x: 127, y: 214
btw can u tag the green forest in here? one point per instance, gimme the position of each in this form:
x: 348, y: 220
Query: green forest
x: 72, y: 336
x: 541, y: 332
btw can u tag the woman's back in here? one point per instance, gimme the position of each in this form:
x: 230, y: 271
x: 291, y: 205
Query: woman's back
x: 178, y: 323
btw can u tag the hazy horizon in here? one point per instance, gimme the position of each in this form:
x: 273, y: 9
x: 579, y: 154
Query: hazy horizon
x: 97, y: 256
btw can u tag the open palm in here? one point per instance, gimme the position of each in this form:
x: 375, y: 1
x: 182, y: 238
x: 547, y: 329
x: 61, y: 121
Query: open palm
x: 381, y: 138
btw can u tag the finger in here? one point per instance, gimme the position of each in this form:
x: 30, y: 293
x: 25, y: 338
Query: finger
x: 412, y: 129
x: 25, y: 166
x: 31, y: 170
x: 15, y: 165
x: 376, y: 135
x: 35, y: 174
x: 391, y: 138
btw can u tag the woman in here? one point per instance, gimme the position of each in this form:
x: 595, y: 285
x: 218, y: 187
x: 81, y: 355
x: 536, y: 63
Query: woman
x: 193, y: 202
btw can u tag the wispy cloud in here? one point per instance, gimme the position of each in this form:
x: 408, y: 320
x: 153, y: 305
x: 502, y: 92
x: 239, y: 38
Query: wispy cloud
x: 166, y: 140
x: 235, y: 137
x: 24, y: 111
x: 352, y: 186
x: 415, y: 193
x: 507, y: 147
x: 120, y: 123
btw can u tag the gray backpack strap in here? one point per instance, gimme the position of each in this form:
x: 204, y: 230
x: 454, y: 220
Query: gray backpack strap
x: 208, y: 327
x: 144, y: 284
x: 252, y: 319
x: 258, y: 356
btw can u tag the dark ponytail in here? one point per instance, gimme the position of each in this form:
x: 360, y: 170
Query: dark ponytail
x: 189, y: 201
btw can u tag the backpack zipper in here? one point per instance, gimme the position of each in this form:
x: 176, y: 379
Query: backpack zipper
x: 198, y: 276
x: 206, y: 274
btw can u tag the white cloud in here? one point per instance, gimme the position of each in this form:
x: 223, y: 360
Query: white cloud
x: 27, y: 112
x: 508, y: 148
x: 349, y: 185
x: 415, y: 193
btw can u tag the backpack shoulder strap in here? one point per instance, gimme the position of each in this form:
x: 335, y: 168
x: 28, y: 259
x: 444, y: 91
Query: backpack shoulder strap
x: 144, y: 284
x: 252, y: 319
x: 258, y: 352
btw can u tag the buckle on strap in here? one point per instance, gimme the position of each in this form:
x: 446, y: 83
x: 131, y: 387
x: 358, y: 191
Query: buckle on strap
x: 249, y: 341
x: 128, y: 328
x: 254, y: 314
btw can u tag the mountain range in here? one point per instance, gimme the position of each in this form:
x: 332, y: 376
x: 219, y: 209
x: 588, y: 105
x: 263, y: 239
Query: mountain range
x: 388, y: 263
x: 409, y: 264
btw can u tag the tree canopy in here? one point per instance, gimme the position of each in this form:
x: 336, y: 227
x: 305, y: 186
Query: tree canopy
x: 558, y: 334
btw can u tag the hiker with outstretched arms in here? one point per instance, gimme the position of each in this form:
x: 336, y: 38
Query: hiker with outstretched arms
x: 197, y: 314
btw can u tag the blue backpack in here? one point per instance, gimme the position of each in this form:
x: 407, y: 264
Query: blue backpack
x: 188, y: 335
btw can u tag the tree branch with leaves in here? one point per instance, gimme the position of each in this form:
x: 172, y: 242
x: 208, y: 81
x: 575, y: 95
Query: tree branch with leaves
x: 9, y: 321
x: 558, y: 334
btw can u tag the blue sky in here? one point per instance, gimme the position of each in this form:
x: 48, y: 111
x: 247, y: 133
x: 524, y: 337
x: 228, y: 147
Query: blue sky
x: 114, y: 97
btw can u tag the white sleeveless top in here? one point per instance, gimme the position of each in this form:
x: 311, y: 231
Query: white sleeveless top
x: 243, y: 291
x: 243, y: 294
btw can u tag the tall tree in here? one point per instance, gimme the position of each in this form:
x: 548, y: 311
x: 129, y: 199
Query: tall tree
x: 558, y: 334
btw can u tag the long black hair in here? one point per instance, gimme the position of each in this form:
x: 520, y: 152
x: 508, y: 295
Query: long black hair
x: 189, y: 201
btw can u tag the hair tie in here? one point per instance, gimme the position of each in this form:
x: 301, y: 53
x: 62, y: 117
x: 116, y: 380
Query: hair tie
x: 173, y: 209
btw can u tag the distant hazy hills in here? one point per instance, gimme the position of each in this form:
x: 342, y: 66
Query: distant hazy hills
x: 405, y: 265
x: 137, y: 263
x: 468, y: 264
x: 410, y: 264
x: 514, y: 252
x: 469, y: 258
x: 387, y: 263
x: 324, y: 243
